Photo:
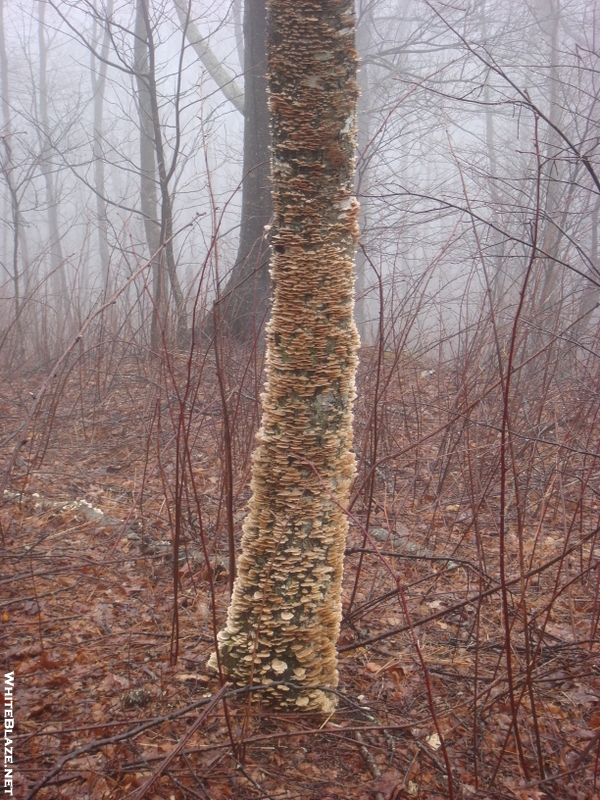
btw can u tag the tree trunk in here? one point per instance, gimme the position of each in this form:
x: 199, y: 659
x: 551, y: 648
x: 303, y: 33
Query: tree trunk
x: 590, y: 296
x: 363, y: 42
x: 224, y: 80
x: 498, y: 278
x: 238, y: 27
x: 551, y: 235
x: 147, y: 79
x: 148, y: 193
x: 245, y: 298
x: 284, y: 617
x: 246, y: 295
x: 47, y: 168
x: 7, y: 169
x: 98, y: 77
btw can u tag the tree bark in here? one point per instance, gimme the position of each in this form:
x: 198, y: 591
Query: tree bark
x: 98, y: 68
x: 8, y: 169
x: 551, y: 235
x: 244, y: 300
x: 284, y: 617
x: 57, y: 263
x: 148, y: 192
x: 146, y: 77
x: 224, y: 80
x: 363, y: 42
x: 246, y: 295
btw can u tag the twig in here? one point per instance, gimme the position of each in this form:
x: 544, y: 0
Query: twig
x: 367, y: 757
x: 119, y: 737
x: 428, y: 752
x: 470, y: 600
x: 179, y: 747
x: 256, y: 785
x: 24, y: 428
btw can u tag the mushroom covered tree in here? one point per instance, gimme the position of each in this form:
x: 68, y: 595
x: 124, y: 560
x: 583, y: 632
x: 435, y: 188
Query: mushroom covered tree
x: 284, y: 617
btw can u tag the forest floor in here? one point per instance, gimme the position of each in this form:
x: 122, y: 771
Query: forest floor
x: 112, y: 696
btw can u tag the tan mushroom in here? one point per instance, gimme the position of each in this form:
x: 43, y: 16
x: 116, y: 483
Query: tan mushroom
x: 284, y: 617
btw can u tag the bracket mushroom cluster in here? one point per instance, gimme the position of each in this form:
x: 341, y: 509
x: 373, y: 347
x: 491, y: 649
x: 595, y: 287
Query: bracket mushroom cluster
x: 284, y: 617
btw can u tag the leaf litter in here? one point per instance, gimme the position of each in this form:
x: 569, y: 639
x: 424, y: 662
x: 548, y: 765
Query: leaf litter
x: 88, y: 623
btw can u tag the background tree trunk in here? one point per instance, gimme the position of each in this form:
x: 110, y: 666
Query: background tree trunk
x: 363, y: 42
x: 8, y: 167
x: 554, y: 178
x: 246, y: 295
x: 148, y: 193
x: 146, y: 77
x: 497, y: 278
x: 285, y: 612
x: 164, y: 177
x: 224, y: 80
x: 57, y: 263
x: 98, y: 68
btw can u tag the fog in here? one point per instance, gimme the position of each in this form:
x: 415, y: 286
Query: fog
x: 134, y: 293
x: 477, y: 123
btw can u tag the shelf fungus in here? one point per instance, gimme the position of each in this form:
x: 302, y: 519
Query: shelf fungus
x: 284, y: 617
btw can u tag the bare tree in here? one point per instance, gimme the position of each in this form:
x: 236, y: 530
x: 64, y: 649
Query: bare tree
x: 98, y: 68
x: 151, y: 139
x: 7, y: 167
x: 245, y: 297
x: 217, y: 71
x: 57, y: 262
x: 148, y: 182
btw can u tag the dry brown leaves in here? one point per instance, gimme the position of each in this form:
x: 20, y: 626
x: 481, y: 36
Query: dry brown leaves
x: 87, y: 612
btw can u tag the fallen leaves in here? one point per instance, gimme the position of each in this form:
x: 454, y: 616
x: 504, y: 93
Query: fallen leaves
x: 434, y: 741
x: 89, y: 617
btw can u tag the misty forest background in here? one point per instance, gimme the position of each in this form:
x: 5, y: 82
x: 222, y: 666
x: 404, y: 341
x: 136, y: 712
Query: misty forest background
x: 133, y: 295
